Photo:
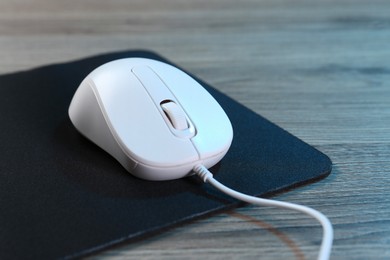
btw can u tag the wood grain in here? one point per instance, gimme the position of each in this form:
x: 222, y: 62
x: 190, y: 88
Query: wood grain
x: 319, y: 69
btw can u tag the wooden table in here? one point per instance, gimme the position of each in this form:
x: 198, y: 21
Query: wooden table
x: 319, y: 69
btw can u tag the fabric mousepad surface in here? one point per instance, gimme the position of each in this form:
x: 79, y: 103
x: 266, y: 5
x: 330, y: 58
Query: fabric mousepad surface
x: 62, y: 196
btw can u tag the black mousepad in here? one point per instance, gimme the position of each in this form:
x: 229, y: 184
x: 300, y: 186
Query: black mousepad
x: 62, y: 196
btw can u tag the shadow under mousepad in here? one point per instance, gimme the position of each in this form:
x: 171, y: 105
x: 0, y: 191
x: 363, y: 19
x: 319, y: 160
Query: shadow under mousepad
x: 62, y: 196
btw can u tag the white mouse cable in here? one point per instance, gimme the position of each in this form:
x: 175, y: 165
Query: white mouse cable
x: 327, y: 237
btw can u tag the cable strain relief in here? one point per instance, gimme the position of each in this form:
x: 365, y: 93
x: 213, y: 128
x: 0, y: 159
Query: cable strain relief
x: 202, y: 172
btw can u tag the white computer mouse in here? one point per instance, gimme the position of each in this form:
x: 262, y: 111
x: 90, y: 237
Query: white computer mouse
x: 156, y: 120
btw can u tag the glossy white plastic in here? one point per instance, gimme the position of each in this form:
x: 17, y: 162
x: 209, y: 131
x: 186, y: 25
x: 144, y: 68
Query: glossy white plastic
x: 156, y: 120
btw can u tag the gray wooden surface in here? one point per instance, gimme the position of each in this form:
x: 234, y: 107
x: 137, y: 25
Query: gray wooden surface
x: 319, y: 69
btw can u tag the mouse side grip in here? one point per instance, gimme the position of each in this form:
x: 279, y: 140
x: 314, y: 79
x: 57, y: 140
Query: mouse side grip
x: 87, y: 117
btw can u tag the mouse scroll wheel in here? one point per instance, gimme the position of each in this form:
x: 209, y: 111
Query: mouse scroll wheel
x: 175, y: 114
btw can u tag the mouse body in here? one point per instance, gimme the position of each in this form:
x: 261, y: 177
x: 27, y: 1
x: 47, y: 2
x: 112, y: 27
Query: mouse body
x: 153, y: 118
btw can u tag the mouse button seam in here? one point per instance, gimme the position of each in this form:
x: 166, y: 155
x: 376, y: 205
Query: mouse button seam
x: 149, y: 94
x: 143, y: 85
x: 196, y: 149
x: 165, y: 84
x: 190, y: 121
